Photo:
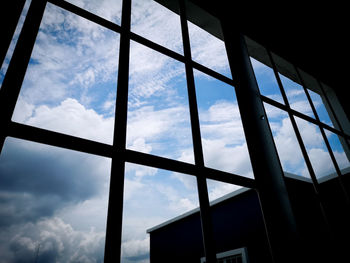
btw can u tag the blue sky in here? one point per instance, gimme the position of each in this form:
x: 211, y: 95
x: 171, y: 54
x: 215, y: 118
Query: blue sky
x: 55, y: 201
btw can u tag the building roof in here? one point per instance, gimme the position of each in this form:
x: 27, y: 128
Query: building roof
x: 240, y: 191
x: 196, y: 210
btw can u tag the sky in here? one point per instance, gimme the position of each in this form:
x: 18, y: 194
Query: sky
x: 53, y: 202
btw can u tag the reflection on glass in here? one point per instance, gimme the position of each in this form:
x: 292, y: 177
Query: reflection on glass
x: 157, y: 23
x: 320, y: 108
x: 70, y: 83
x: 223, y: 139
x: 158, y: 112
x: 53, y: 204
x: 338, y: 144
x: 296, y: 96
x: 316, y: 149
x: 286, y: 142
x: 267, y: 82
x: 108, y: 9
x: 208, y: 50
x: 152, y: 197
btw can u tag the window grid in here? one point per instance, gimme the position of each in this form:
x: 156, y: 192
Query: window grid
x: 117, y: 151
x: 315, y: 121
x: 12, y: 85
x: 346, y: 195
x: 292, y: 114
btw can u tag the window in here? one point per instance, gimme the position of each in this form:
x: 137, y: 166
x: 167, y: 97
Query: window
x: 238, y: 255
x: 309, y: 138
x: 108, y: 108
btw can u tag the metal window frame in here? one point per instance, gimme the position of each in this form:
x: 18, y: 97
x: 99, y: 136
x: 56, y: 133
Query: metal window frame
x: 120, y: 155
x: 117, y: 152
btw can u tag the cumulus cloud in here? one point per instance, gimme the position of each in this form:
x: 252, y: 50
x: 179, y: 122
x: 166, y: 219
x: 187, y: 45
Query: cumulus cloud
x: 223, y: 139
x: 69, y: 117
x: 289, y: 150
x: 150, y: 200
x: 44, y: 194
x: 51, y: 240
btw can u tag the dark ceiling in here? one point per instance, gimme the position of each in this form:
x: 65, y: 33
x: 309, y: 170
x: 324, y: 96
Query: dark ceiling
x: 313, y: 37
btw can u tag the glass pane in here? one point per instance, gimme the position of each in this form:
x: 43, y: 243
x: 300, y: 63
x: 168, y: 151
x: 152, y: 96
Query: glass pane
x: 296, y: 96
x: 223, y: 139
x: 53, y: 204
x: 70, y: 84
x: 154, y: 202
x: 108, y: 9
x: 238, y: 222
x: 11, y: 48
x: 338, y: 144
x: 320, y: 108
x: 218, y: 190
x: 158, y: 112
x: 316, y: 148
x: 157, y: 23
x: 208, y: 50
x: 267, y: 82
x: 286, y: 142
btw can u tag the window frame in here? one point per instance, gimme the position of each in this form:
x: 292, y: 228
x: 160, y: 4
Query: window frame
x: 117, y: 152
x: 234, y: 252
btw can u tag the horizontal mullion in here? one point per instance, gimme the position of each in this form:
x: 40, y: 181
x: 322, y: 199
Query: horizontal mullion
x: 148, y: 43
x: 30, y: 133
x: 213, y: 73
x: 186, y: 168
x: 86, y: 14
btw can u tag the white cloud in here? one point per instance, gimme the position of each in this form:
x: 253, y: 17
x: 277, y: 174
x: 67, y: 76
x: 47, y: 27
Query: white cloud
x: 310, y: 133
x: 233, y: 159
x: 208, y: 50
x: 156, y: 23
x: 108, y: 9
x: 223, y: 139
x: 288, y: 146
x: 70, y: 56
x: 51, y: 240
x: 134, y: 248
x: 68, y: 117
x: 165, y: 132
x: 321, y: 162
x: 218, y: 189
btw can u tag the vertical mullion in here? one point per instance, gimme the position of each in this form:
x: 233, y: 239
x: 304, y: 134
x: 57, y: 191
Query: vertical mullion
x: 208, y: 239
x: 324, y: 136
x: 295, y: 127
x: 116, y: 192
x: 333, y: 112
x: 12, y: 82
x: 316, y: 186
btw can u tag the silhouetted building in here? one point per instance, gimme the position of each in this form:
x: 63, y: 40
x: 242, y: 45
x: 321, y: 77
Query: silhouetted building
x: 238, y: 225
